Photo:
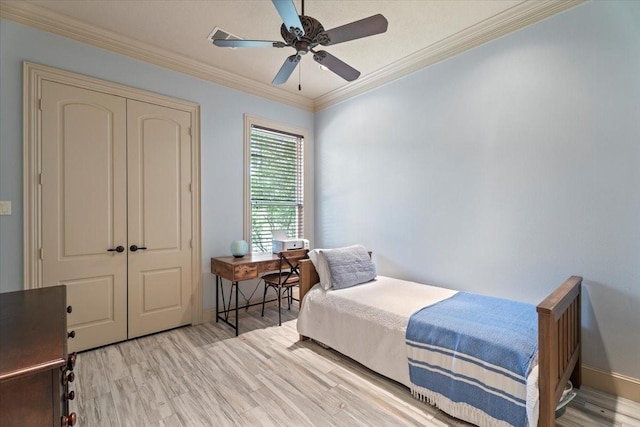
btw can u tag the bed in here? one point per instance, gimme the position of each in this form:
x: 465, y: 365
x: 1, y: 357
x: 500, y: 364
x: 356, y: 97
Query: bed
x: 336, y: 318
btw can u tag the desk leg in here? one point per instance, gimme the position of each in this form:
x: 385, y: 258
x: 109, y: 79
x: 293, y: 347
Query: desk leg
x: 236, y: 308
x: 217, y: 307
x: 226, y: 306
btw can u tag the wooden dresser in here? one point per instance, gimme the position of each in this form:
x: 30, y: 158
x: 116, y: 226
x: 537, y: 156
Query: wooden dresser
x: 35, y: 370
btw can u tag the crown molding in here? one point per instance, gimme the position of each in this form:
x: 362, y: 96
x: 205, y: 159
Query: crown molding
x: 45, y: 20
x: 513, y: 19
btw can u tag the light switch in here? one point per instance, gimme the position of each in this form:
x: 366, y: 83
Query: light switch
x: 5, y: 207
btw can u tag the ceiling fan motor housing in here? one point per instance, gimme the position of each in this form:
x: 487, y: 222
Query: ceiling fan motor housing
x: 313, y: 35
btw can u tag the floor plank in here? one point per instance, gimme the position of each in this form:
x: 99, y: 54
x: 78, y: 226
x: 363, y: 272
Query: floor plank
x: 204, y: 375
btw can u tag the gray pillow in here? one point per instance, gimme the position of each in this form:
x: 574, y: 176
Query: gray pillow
x: 320, y: 263
x: 349, y: 266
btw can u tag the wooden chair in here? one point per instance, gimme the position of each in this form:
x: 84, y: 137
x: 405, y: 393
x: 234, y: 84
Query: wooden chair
x: 287, y: 277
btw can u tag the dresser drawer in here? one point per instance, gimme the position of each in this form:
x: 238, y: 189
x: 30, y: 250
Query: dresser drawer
x: 27, y: 400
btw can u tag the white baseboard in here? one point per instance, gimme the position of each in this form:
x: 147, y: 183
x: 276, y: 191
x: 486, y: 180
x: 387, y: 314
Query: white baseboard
x: 612, y: 383
x: 209, y: 315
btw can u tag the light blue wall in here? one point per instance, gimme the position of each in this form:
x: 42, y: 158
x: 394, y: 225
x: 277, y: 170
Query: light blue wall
x: 222, y: 111
x: 503, y: 171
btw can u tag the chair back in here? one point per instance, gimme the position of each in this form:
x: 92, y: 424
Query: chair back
x: 289, y: 262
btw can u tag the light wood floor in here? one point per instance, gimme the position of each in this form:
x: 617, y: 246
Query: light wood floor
x: 205, y: 376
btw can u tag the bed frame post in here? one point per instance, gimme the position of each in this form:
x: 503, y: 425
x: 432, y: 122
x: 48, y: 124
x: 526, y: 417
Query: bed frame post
x: 548, y: 369
x: 308, y: 278
x: 559, y: 339
x: 576, y: 375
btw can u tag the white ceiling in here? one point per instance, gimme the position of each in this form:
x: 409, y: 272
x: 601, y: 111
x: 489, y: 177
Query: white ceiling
x: 173, y: 33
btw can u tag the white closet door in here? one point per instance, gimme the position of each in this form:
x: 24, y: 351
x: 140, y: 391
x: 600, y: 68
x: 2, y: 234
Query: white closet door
x: 159, y: 217
x: 83, y: 187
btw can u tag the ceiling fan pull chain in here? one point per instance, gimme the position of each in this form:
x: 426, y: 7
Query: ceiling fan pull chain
x: 299, y: 79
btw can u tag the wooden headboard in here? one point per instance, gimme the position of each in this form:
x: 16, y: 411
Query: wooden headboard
x: 308, y: 277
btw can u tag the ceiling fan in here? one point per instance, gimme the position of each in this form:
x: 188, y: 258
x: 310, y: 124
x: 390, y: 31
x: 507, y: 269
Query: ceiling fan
x: 304, y: 34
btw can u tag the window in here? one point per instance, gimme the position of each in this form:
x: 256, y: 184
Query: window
x: 275, y: 198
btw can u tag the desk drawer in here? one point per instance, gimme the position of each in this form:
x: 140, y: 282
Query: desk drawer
x: 221, y: 269
x: 245, y: 268
x: 272, y: 265
x: 245, y: 272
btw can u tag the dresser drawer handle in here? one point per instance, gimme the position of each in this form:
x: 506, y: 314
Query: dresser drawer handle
x: 70, y: 396
x: 71, y: 334
x: 69, y: 309
x: 68, y: 378
x: 71, y: 361
x: 69, y: 420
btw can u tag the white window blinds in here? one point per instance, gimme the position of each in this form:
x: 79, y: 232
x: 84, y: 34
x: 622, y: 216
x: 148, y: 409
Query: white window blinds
x: 276, y: 186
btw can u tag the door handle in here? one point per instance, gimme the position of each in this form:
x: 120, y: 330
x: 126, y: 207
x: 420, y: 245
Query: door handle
x: 134, y: 248
x: 116, y: 249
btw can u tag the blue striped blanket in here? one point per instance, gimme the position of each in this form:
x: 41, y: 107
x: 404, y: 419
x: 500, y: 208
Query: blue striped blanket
x: 470, y: 355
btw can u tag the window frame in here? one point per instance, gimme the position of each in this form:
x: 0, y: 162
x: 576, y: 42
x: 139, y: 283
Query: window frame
x: 308, y: 196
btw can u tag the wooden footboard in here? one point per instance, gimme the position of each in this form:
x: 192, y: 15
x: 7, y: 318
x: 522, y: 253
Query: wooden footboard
x: 559, y: 339
x: 559, y: 346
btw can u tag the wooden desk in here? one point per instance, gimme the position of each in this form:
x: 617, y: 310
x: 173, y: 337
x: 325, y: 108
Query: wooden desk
x: 250, y: 266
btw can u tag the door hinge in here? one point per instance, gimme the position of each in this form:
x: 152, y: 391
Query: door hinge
x: 40, y: 104
x: 189, y: 130
x: 40, y: 178
x: 40, y: 254
x: 190, y: 187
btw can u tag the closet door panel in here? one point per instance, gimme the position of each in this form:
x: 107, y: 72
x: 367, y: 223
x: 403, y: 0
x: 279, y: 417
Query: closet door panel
x: 83, y: 188
x: 159, y: 217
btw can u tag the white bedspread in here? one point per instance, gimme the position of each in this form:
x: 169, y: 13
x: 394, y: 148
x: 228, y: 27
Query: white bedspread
x: 368, y: 322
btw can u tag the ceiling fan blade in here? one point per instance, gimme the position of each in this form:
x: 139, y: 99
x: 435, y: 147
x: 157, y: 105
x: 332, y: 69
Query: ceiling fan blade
x: 375, y: 24
x: 342, y: 69
x: 247, y: 43
x: 289, y: 15
x: 287, y: 68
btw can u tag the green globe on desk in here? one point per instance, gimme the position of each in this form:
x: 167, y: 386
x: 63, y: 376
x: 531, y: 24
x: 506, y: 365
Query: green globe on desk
x: 239, y: 248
